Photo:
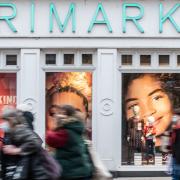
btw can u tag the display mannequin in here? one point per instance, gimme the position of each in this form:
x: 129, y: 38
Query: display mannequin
x: 149, y: 134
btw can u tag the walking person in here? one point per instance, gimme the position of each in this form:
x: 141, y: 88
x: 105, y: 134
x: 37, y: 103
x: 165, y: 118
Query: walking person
x: 67, y: 139
x: 20, y: 144
x: 28, y: 115
x: 176, y: 150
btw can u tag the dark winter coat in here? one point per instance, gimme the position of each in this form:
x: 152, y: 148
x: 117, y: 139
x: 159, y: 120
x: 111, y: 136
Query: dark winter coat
x: 71, y: 151
x: 30, y: 143
x: 29, y: 118
x: 23, y: 137
x: 176, y: 144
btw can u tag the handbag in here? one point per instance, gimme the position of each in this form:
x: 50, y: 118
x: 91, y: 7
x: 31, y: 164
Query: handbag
x: 100, y: 172
x: 52, y: 168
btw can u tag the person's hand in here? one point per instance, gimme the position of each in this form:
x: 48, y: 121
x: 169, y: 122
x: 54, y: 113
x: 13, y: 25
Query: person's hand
x: 154, y: 140
x: 142, y: 139
x: 11, y: 150
x: 148, y: 134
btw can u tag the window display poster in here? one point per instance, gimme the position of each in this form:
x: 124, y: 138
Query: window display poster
x: 72, y: 88
x: 7, y: 92
x: 150, y: 101
x: 7, y: 89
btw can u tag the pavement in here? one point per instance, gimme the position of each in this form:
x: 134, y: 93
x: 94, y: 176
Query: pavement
x: 143, y: 178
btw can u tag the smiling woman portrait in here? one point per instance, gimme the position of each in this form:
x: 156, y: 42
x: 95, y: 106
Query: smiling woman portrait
x: 154, y: 96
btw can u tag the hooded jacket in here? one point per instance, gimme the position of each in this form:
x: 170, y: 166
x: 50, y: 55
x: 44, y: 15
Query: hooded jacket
x: 71, y: 151
x: 30, y: 144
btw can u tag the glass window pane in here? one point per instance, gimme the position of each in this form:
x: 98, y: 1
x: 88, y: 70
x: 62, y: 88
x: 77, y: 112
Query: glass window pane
x: 71, y: 88
x: 11, y: 60
x: 145, y: 60
x: 178, y: 60
x: 68, y: 58
x: 163, y: 60
x: 143, y: 96
x: 86, y: 59
x: 126, y: 60
x: 7, y: 90
x: 50, y: 58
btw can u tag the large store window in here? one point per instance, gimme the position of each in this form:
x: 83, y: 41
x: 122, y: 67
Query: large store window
x: 150, y: 101
x: 150, y: 105
x: 72, y: 88
x: 7, y: 93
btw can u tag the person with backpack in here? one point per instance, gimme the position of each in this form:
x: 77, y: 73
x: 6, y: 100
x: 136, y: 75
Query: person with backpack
x: 20, y: 148
x: 176, y: 150
x: 70, y: 149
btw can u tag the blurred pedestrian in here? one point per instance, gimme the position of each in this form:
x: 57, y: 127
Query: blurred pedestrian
x: 20, y: 145
x: 149, y: 134
x: 176, y: 150
x: 67, y: 139
x: 29, y: 117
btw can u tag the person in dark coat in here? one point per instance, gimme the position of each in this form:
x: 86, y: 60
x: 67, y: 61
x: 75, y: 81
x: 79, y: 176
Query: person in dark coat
x: 67, y: 139
x: 176, y: 151
x: 29, y: 117
x: 21, y: 144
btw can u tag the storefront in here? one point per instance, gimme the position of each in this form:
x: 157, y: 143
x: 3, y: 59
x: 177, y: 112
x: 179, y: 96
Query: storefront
x: 113, y: 60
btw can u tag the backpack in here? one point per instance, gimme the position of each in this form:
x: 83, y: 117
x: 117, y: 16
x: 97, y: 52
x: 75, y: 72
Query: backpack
x: 44, y: 166
x: 52, y: 168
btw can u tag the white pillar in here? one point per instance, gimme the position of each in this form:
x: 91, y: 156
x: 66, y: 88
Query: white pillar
x: 105, y: 118
x: 30, y: 86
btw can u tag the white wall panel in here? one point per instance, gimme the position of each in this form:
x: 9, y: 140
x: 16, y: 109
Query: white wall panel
x: 105, y: 119
x: 30, y: 85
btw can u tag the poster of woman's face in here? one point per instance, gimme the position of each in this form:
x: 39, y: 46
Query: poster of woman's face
x: 72, y: 88
x: 150, y: 99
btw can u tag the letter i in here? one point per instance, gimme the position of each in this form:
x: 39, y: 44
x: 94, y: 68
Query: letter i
x: 32, y: 16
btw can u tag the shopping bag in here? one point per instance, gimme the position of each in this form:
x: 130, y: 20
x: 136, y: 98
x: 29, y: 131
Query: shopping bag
x: 100, y: 172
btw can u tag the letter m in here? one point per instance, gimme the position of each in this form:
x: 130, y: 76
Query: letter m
x: 62, y: 26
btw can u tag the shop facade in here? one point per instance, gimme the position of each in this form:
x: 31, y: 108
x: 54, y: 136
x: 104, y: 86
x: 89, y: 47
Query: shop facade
x: 82, y: 53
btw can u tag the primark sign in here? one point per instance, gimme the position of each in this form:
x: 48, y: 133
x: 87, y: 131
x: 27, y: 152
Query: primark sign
x: 89, y: 18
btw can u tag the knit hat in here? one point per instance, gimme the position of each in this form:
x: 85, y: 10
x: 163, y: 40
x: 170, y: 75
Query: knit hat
x: 23, y: 107
x: 17, y: 115
x: 8, y: 111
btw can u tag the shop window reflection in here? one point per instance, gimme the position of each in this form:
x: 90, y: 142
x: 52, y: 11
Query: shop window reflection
x: 68, y: 59
x: 163, y: 60
x: 126, y: 60
x: 50, y: 59
x: 87, y: 59
x: 11, y: 60
x: 145, y: 60
x: 178, y: 60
